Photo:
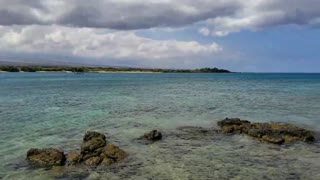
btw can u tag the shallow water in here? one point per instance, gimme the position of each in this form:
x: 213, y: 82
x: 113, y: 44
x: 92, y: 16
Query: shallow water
x: 55, y: 109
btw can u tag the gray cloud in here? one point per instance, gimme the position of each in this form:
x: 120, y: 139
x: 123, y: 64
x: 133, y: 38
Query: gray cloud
x: 140, y: 15
x: 222, y: 16
x: 112, y: 14
x: 18, y: 12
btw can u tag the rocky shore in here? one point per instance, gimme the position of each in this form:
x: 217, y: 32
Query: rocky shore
x: 96, y: 151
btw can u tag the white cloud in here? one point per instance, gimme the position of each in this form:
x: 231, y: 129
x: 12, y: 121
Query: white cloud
x: 97, y: 43
x: 204, y: 31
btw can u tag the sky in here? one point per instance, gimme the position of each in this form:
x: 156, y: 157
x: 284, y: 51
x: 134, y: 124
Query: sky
x: 238, y: 35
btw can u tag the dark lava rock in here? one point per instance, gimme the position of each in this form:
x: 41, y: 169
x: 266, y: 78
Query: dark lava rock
x: 233, y: 125
x: 232, y: 121
x: 92, y: 145
x: 46, y: 157
x: 276, y: 133
x: 95, y: 150
x: 113, y: 152
x: 93, y: 161
x: 93, y: 134
x: 153, y: 135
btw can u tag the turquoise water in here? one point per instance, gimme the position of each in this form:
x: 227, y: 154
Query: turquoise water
x: 55, y: 109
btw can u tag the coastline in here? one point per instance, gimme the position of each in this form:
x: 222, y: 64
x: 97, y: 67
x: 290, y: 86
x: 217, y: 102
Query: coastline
x: 80, y: 70
x: 112, y: 72
x: 126, y: 72
x: 101, y: 72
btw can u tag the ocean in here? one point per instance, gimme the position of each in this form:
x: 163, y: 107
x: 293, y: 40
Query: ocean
x: 56, y: 109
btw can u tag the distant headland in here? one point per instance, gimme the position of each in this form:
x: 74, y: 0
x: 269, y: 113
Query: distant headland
x: 105, y: 69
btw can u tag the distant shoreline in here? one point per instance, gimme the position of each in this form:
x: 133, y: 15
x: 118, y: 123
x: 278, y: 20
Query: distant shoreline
x: 100, y: 72
x: 79, y: 70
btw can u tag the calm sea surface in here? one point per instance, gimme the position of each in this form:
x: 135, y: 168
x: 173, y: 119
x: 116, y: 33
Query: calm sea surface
x: 56, y: 109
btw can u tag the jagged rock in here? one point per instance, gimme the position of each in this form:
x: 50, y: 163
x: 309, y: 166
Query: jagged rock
x: 92, y: 145
x: 95, y: 150
x: 232, y: 121
x: 153, y: 135
x: 73, y: 158
x: 107, y: 161
x: 93, y: 134
x: 46, y: 157
x: 233, y: 125
x: 111, y: 151
x: 276, y: 133
x: 93, y: 161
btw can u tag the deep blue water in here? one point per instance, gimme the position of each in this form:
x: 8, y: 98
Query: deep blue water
x: 55, y: 109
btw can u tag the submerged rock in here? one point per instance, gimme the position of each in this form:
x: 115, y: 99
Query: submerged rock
x: 195, y: 133
x: 71, y: 172
x: 46, y: 157
x: 275, y: 133
x: 153, y: 135
x: 149, y: 137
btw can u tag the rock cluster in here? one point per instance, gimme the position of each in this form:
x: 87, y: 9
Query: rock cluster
x: 95, y: 150
x: 275, y: 133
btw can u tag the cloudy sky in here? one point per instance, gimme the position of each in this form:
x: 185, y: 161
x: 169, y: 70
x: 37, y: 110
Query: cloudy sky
x: 240, y: 35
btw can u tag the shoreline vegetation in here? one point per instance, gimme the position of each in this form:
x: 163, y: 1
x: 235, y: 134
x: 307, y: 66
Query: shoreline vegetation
x: 105, y: 69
